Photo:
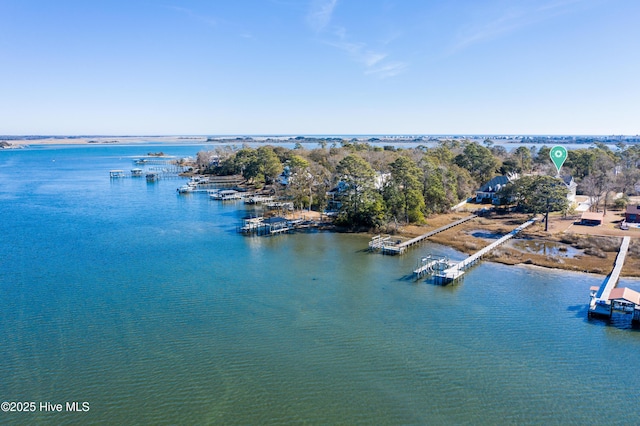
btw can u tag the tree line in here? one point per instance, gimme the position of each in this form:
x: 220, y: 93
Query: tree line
x: 374, y: 186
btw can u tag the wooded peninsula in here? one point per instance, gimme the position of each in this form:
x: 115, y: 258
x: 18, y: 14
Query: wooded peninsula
x: 391, y: 189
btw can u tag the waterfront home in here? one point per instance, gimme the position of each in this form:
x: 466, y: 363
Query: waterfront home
x: 334, y: 203
x: 632, y: 215
x: 489, y: 192
x: 285, y: 176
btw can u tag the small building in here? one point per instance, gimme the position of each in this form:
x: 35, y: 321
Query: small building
x: 488, y: 193
x: 591, y: 219
x: 632, y: 215
x: 625, y: 295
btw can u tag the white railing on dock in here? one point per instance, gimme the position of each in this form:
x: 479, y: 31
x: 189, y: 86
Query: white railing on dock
x: 458, y: 269
x: 431, y: 264
x: 600, y: 303
x: 399, y: 248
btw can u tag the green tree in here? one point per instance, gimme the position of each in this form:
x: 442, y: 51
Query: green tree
x: 581, y: 161
x: 404, y: 189
x: 433, y: 189
x: 542, y: 157
x: 523, y: 157
x: 360, y: 199
x: 300, y: 181
x: 238, y: 163
x: 478, y: 160
x: 264, y: 167
x: 539, y: 194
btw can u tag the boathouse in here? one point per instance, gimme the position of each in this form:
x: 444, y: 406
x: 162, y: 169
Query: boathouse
x: 591, y: 219
x: 632, y: 215
x: 620, y: 299
x: 276, y: 225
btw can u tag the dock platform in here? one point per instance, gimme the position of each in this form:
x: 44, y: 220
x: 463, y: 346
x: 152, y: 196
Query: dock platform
x: 383, y: 244
x: 600, y: 303
x: 457, y: 270
x: 430, y: 264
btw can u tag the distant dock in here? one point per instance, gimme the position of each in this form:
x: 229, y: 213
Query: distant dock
x: 386, y: 246
x: 262, y: 226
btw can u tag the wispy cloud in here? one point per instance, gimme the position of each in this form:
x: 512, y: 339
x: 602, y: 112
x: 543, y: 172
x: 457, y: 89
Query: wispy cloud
x: 195, y: 16
x: 320, y: 14
x: 387, y: 70
x: 358, y: 52
x: 513, y: 20
x: 374, y: 61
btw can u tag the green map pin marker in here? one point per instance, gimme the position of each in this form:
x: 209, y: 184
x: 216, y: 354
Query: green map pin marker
x: 558, y: 155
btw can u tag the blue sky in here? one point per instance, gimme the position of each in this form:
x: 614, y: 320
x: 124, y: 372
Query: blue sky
x: 320, y: 67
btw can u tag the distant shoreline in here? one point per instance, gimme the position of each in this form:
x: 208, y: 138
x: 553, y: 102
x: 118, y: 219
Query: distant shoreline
x: 8, y: 141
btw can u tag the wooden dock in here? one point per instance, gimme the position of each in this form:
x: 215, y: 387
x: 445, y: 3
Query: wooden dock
x: 457, y: 270
x: 430, y: 264
x: 600, y: 303
x: 383, y: 243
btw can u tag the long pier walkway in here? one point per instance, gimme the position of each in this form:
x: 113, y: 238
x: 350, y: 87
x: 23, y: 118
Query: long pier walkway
x: 383, y: 244
x: 457, y: 270
x: 600, y: 303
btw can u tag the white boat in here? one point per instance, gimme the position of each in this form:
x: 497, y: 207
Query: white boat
x: 189, y: 187
x: 137, y: 173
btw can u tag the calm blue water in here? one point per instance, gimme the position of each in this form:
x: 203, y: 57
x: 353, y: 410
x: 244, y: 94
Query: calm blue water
x: 149, y: 306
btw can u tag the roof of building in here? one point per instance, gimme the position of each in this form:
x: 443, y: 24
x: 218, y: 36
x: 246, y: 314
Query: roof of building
x: 625, y: 293
x: 495, y: 184
x: 568, y: 180
x: 592, y: 216
x: 633, y: 208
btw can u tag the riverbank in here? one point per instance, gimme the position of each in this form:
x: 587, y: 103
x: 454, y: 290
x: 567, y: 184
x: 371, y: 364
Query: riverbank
x: 565, y: 250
